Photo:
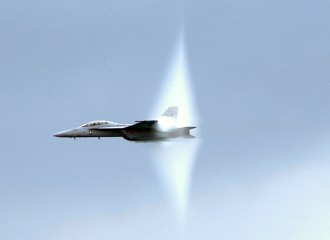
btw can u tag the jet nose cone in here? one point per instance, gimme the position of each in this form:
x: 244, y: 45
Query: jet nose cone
x: 59, y: 134
x: 66, y: 133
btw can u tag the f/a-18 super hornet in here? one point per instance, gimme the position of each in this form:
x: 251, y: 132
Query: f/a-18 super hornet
x: 147, y: 130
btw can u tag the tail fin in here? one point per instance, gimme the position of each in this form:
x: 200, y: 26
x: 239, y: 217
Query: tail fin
x: 171, y: 112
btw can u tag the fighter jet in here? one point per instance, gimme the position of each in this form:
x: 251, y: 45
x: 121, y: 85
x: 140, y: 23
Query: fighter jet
x: 162, y: 129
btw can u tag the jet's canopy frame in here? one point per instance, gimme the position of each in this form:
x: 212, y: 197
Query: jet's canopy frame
x: 96, y: 123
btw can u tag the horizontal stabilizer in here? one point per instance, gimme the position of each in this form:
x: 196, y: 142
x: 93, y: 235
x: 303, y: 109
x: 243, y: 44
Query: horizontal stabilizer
x: 184, y: 132
x: 189, y: 136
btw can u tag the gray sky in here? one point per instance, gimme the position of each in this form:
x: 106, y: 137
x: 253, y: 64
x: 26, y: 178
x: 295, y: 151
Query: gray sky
x: 260, y: 73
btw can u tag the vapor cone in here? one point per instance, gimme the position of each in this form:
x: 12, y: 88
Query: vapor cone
x: 174, y: 160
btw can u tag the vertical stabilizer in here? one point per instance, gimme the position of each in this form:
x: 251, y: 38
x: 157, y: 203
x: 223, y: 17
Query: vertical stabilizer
x: 171, y: 112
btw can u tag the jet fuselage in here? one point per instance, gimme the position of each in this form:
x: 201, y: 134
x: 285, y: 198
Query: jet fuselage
x: 147, y: 130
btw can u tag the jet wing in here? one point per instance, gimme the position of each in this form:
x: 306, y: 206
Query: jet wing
x: 143, y: 125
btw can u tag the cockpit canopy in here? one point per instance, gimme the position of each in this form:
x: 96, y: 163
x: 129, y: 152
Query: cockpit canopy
x: 96, y: 123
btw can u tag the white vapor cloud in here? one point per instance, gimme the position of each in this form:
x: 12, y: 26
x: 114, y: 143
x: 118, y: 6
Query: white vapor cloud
x: 174, y: 160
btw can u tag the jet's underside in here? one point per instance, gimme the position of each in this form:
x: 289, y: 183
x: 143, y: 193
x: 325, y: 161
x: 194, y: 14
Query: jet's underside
x: 145, y: 135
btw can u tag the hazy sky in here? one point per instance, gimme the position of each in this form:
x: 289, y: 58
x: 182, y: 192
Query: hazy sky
x: 260, y: 74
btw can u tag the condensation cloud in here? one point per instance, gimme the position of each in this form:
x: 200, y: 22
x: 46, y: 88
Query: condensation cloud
x: 174, y: 160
